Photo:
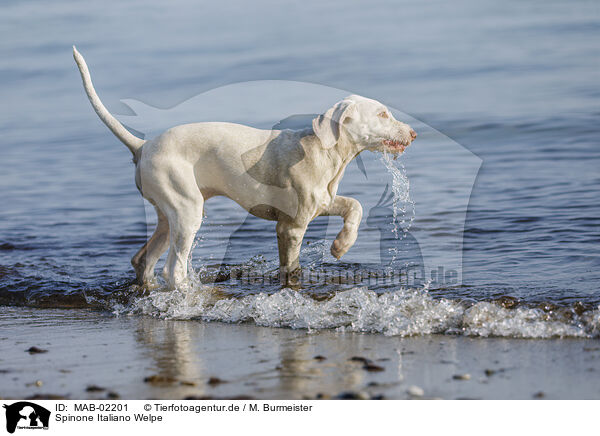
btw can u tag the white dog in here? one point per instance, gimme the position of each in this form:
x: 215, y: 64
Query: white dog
x: 286, y: 176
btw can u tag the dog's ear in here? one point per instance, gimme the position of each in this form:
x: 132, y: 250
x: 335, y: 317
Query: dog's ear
x: 327, y: 126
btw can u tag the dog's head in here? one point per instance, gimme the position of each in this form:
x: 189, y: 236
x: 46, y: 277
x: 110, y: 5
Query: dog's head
x: 366, y: 123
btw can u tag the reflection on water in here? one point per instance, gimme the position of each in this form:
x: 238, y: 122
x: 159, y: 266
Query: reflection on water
x: 179, y: 358
x: 184, y: 356
x: 168, y: 349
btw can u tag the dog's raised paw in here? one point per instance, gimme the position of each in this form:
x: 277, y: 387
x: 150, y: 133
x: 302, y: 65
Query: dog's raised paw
x: 338, y: 249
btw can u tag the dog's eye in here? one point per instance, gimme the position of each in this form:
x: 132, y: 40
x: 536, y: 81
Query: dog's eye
x: 383, y: 114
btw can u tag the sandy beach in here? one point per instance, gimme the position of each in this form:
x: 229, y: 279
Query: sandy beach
x: 476, y: 267
x: 84, y: 354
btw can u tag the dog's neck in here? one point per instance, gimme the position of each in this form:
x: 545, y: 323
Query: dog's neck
x: 345, y: 149
x: 338, y: 157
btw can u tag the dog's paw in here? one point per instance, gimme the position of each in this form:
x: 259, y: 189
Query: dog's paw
x: 151, y: 282
x: 343, y: 243
x: 336, y: 249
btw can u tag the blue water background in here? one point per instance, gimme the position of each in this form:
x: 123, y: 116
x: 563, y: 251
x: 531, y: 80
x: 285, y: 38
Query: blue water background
x: 517, y: 83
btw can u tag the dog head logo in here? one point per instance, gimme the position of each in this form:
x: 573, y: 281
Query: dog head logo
x: 26, y: 415
x: 441, y: 174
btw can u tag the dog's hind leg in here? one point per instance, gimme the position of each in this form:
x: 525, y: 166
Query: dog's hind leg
x: 351, y: 211
x: 184, y: 214
x: 145, y: 259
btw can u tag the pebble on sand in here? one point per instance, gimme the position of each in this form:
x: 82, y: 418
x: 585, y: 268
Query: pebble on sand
x: 359, y: 359
x: 353, y: 396
x: 461, y: 376
x: 209, y: 397
x: 47, y: 397
x: 415, y: 391
x: 371, y: 367
x: 159, y: 379
x: 94, y: 388
x: 214, y: 381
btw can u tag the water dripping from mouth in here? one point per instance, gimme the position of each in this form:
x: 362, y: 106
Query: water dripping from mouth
x: 403, y: 205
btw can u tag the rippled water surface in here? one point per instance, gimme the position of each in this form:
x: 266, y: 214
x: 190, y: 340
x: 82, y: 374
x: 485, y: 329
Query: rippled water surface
x: 504, y: 180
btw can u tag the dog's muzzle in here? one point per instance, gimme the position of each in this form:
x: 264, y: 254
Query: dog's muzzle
x: 399, y: 146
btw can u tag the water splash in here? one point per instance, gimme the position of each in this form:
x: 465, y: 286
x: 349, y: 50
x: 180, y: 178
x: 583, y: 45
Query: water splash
x: 404, y: 312
x: 403, y: 205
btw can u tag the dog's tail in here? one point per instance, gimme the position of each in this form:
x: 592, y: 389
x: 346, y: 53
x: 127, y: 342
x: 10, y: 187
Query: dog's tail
x: 132, y: 142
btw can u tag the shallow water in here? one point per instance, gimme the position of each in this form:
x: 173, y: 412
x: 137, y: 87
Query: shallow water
x: 504, y: 98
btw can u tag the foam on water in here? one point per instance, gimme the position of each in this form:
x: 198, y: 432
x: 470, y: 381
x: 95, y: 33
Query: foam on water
x: 404, y: 312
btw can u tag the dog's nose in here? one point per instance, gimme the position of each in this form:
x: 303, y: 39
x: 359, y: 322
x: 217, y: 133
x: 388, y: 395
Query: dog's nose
x: 413, y: 134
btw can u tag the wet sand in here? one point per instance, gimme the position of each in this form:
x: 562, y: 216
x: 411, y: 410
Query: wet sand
x: 94, y: 355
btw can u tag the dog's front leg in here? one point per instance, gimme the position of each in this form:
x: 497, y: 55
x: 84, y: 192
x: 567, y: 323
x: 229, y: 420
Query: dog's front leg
x: 289, y: 241
x: 351, y: 211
